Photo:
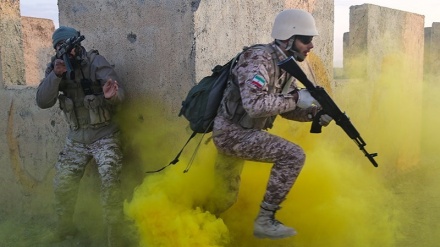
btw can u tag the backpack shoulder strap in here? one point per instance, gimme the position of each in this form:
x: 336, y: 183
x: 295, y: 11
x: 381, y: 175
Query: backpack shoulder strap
x: 176, y: 159
x: 266, y: 47
x: 275, y: 61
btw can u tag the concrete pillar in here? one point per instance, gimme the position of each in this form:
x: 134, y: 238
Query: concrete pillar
x: 432, y: 53
x: 435, y: 47
x: 373, y: 37
x: 432, y: 87
x: 385, y: 50
x: 37, y: 47
x: 11, y: 44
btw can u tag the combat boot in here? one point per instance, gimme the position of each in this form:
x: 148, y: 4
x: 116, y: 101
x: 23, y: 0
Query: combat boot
x: 266, y: 226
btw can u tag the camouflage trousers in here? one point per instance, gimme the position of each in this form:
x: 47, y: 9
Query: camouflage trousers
x: 70, y: 168
x: 236, y: 144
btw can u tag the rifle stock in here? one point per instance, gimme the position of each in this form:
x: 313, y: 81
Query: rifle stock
x: 328, y: 107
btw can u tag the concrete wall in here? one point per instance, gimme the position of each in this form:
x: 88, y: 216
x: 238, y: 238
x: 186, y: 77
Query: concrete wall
x: 30, y: 136
x: 159, y: 48
x: 37, y: 39
x: 11, y: 45
x: 373, y: 37
x: 394, y: 61
x: 432, y: 86
x: 384, y: 50
x: 432, y: 52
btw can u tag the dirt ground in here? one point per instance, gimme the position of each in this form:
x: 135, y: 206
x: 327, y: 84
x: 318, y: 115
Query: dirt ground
x: 38, y: 232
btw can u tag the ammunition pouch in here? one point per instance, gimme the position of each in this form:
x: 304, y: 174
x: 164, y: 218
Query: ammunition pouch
x: 68, y: 109
x: 99, y: 111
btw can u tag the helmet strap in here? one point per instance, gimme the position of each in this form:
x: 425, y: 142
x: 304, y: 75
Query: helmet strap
x: 290, y: 48
x: 290, y: 43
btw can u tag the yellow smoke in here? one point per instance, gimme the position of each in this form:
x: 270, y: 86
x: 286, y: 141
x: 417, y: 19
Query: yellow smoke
x: 339, y: 199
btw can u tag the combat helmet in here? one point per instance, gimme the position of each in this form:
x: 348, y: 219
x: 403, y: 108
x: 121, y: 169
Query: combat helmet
x: 292, y: 22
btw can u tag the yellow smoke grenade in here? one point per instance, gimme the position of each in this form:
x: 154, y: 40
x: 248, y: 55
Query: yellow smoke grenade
x: 339, y: 199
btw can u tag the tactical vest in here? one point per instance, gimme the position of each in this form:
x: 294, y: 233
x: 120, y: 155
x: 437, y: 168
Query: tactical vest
x: 82, y: 100
x: 232, y: 106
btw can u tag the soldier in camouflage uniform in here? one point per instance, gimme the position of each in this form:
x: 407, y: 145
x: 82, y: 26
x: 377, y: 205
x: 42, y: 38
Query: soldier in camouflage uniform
x: 260, y: 91
x: 87, y: 101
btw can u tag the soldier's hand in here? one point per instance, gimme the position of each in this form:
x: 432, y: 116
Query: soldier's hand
x: 110, y: 88
x: 305, y: 99
x: 59, y: 68
x: 325, y: 120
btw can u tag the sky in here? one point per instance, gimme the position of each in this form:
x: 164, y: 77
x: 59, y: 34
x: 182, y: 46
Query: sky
x: 429, y: 8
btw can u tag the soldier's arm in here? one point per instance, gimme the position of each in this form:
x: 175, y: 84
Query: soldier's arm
x: 301, y: 115
x: 105, y: 72
x: 253, y: 76
x: 47, y: 92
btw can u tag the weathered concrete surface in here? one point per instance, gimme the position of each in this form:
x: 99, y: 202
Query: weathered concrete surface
x: 373, y: 37
x: 432, y: 80
x: 432, y: 52
x: 11, y: 45
x: 387, y: 55
x: 385, y: 52
x: 191, y: 36
x: 37, y: 39
x: 30, y: 136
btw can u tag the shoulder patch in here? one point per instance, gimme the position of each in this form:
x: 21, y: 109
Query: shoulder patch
x: 258, y: 81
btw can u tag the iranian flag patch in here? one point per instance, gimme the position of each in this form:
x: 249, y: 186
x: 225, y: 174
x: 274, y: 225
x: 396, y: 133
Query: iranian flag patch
x: 258, y: 81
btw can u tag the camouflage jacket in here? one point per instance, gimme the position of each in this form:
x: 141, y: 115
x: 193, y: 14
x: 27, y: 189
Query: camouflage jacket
x: 260, y: 91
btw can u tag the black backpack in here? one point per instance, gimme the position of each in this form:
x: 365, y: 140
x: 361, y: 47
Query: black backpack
x: 202, y: 102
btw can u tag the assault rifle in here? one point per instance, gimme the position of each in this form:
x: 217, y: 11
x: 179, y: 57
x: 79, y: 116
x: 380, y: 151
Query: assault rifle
x: 328, y: 106
x: 64, y: 51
